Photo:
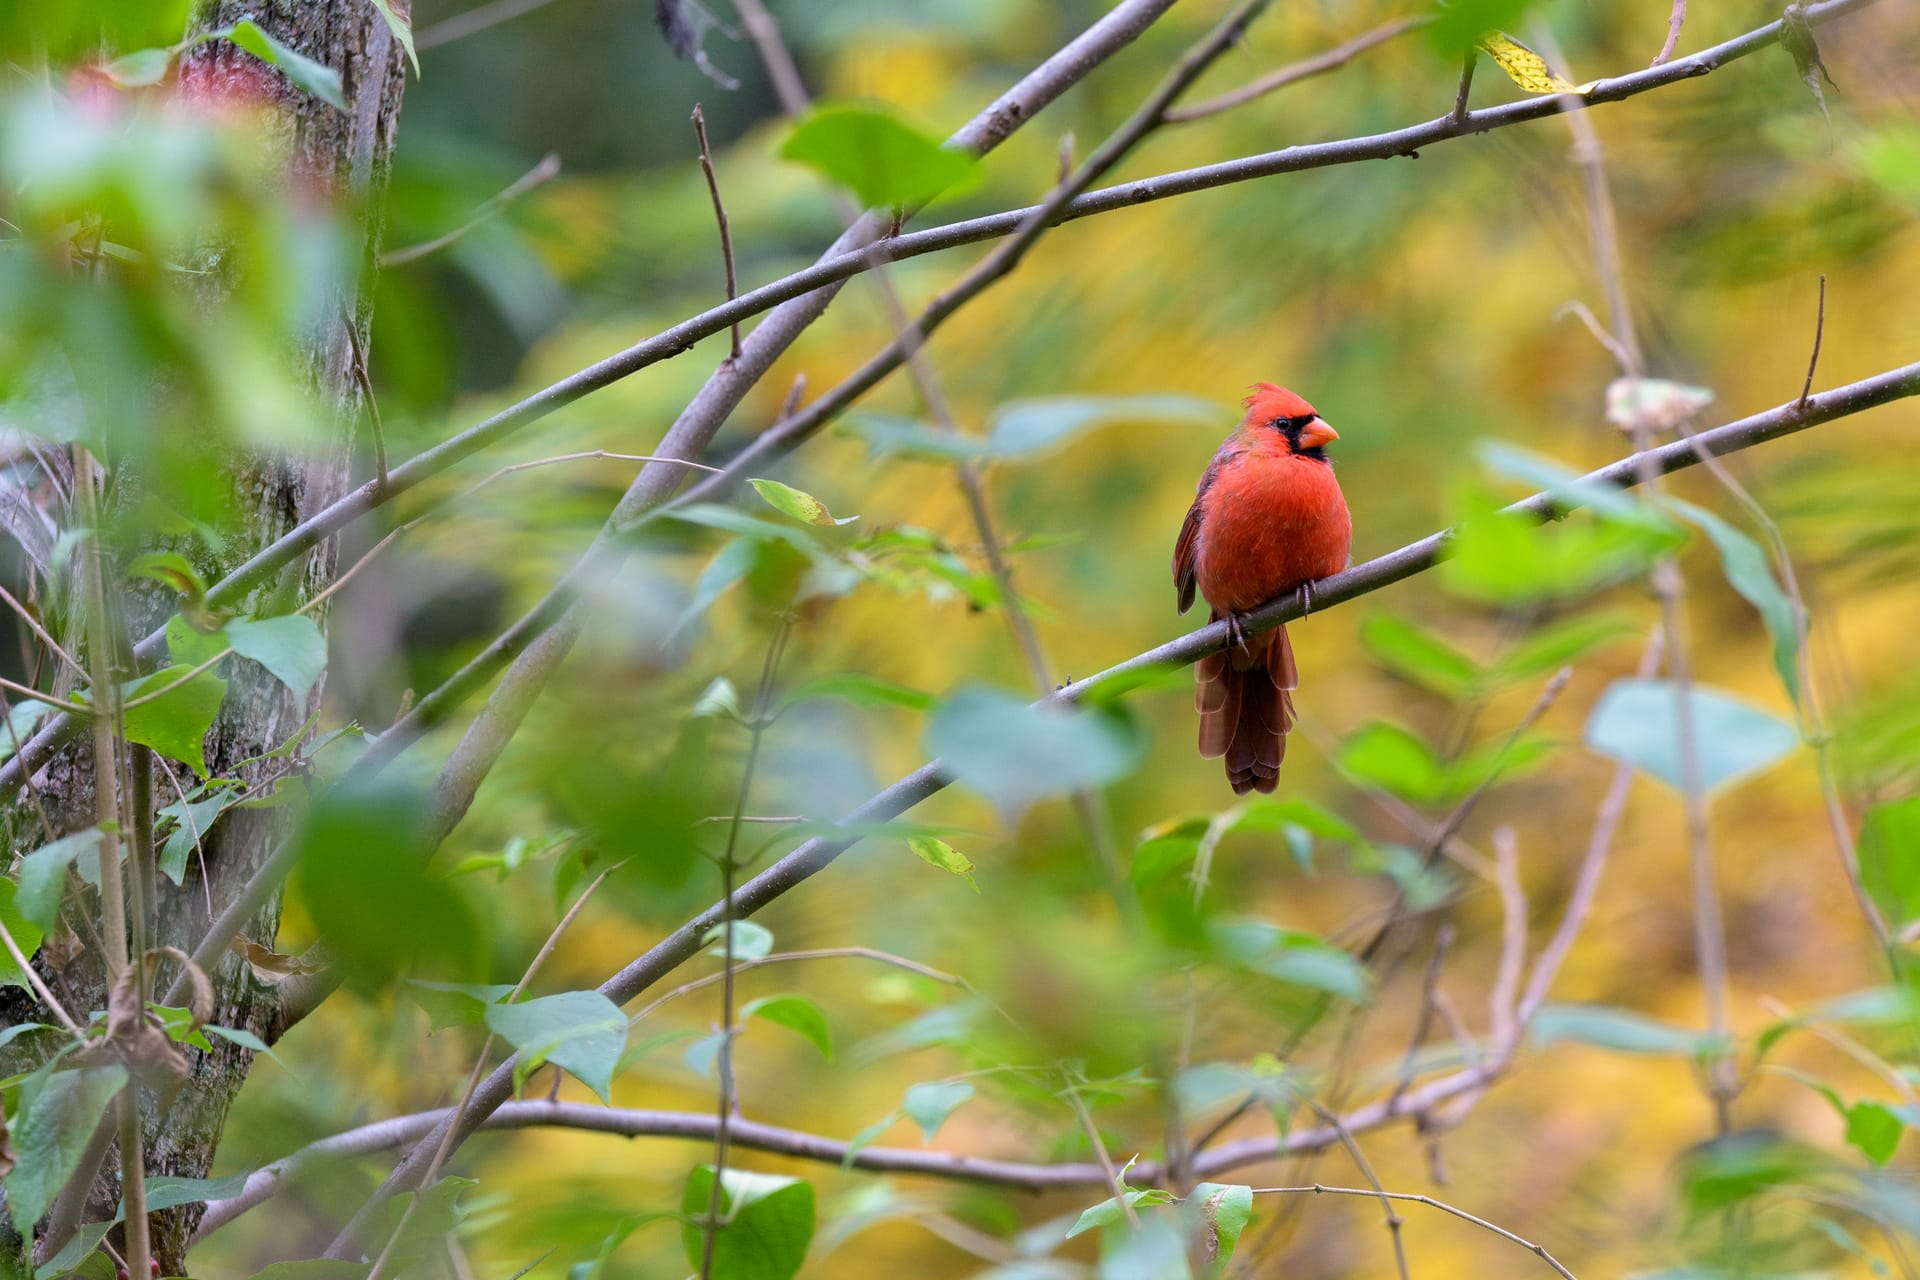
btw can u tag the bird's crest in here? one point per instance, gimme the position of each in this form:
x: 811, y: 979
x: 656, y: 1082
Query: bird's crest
x: 1267, y: 401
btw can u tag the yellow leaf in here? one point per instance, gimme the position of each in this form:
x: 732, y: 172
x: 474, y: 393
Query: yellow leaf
x: 1525, y: 67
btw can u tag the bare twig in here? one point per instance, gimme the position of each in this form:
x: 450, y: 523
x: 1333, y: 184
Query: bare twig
x: 1460, y: 95
x: 472, y: 22
x: 1819, y: 331
x: 546, y: 171
x: 46, y: 637
x: 1318, y: 1189
x: 725, y: 1101
x: 1115, y: 1183
x: 1319, y: 64
x: 1586, y: 883
x: 365, y: 383
x: 1503, y: 998
x: 1675, y: 20
x: 1360, y: 1162
x: 719, y: 217
x: 1429, y: 1007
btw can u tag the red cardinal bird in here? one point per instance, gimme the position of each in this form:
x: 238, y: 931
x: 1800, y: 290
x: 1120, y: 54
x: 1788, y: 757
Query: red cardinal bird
x: 1268, y: 517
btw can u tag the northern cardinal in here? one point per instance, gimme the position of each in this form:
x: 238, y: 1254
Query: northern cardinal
x: 1268, y: 518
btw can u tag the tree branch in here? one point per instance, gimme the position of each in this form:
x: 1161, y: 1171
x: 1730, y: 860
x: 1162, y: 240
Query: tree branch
x: 841, y: 263
x: 817, y: 854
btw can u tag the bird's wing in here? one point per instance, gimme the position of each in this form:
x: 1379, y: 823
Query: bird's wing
x: 1186, y: 550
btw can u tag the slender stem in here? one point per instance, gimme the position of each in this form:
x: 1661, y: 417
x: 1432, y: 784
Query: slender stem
x: 46, y: 637
x: 365, y: 383
x: 546, y: 171
x: 719, y: 216
x: 1461, y: 95
x: 1319, y: 1189
x: 1675, y: 20
x: 1115, y: 1183
x: 725, y: 1103
x: 1819, y: 331
x: 1319, y: 64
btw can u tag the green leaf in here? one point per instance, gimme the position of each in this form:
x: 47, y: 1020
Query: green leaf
x: 765, y: 1224
x: 750, y: 941
x: 863, y: 691
x: 1635, y: 721
x: 1224, y: 1213
x: 1292, y: 956
x: 191, y: 821
x: 139, y: 69
x: 1875, y: 1129
x: 1569, y: 488
x: 245, y: 1039
x: 930, y: 1103
x: 803, y: 507
x: 874, y: 153
x: 1890, y: 858
x: 582, y: 1031
x: 290, y: 647
x: 171, y: 1193
x: 51, y: 1127
x: 1749, y: 573
x: 322, y: 82
x: 1560, y: 643
x: 74, y: 1257
x: 944, y: 856
x: 1458, y: 27
x: 1416, y: 654
x: 26, y: 933
x: 454, y: 1004
x: 797, y: 1014
x: 169, y: 567
x: 188, y: 646
x: 43, y: 874
x: 1014, y: 753
x: 1618, y: 1029
x: 1395, y: 761
x: 1510, y: 558
x: 175, y: 724
x: 1108, y: 1211
x: 362, y: 875
x: 401, y: 24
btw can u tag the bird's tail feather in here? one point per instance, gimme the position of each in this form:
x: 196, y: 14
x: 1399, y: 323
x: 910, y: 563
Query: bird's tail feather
x: 1245, y: 700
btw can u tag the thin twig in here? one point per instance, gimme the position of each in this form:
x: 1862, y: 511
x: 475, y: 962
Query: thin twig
x: 1586, y: 882
x: 1115, y: 1183
x: 1319, y: 1189
x: 365, y: 382
x: 1503, y: 998
x: 719, y: 216
x: 39, y: 984
x: 1360, y: 1162
x: 546, y: 171
x: 1460, y: 95
x: 472, y: 22
x: 726, y: 1102
x: 1429, y: 1007
x: 32, y: 788
x: 46, y: 637
x: 1819, y: 329
x: 782, y: 957
x: 1675, y: 20
x: 1319, y: 64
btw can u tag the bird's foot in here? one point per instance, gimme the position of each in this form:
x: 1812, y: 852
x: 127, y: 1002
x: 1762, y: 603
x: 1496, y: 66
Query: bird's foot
x: 1306, y: 598
x: 1237, y: 630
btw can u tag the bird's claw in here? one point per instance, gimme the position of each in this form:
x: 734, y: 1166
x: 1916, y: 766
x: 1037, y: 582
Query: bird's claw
x: 1306, y: 598
x: 1236, y: 630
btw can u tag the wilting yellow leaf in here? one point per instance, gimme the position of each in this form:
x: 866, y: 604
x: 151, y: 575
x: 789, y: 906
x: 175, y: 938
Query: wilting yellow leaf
x: 1525, y: 67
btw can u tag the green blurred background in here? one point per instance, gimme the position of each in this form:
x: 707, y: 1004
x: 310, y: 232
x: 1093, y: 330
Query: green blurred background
x: 1417, y: 303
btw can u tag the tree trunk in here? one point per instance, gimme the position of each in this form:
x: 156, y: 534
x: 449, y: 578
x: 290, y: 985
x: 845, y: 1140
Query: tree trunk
x: 344, y: 158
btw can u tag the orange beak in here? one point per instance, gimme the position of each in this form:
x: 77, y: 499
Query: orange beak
x: 1317, y: 433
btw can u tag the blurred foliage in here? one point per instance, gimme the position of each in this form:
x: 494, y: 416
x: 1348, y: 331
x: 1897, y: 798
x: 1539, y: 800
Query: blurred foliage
x: 1069, y: 976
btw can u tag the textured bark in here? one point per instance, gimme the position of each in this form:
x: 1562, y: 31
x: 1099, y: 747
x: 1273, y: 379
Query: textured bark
x: 343, y: 158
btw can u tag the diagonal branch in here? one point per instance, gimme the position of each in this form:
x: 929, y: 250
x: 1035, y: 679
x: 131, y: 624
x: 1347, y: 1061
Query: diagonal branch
x: 817, y: 854
x: 843, y: 262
